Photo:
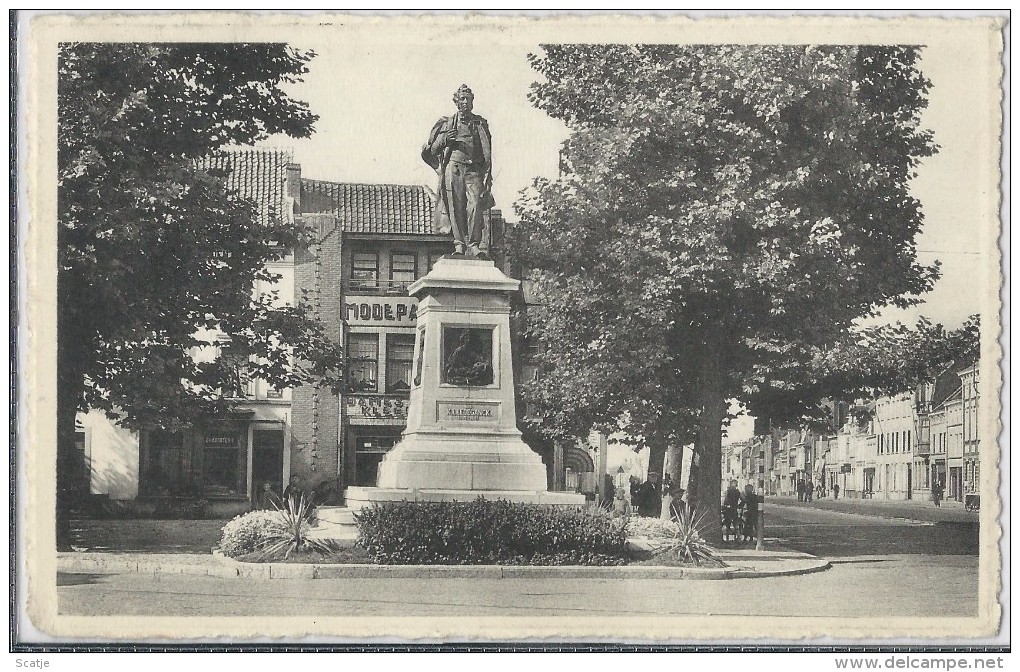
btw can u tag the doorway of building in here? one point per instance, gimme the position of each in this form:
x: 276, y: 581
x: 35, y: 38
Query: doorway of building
x: 369, y: 451
x: 956, y: 483
x: 267, y: 459
x: 910, y: 482
x: 869, y: 482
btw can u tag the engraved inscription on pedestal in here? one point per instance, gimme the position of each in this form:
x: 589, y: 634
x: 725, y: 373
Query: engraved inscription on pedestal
x: 468, y: 412
x: 467, y: 356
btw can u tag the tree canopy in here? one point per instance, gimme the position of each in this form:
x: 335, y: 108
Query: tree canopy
x: 157, y: 258
x: 723, y: 212
x: 881, y: 360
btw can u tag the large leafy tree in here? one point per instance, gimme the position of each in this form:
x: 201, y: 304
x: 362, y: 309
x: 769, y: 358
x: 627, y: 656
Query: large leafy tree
x: 880, y: 360
x: 157, y: 258
x: 722, y: 213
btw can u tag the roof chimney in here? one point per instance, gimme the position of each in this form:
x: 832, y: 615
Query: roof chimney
x: 293, y: 185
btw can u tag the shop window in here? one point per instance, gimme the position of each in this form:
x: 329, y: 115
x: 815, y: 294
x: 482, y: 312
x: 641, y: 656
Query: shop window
x: 399, y: 358
x: 363, y: 362
x: 221, y: 469
x: 165, y: 474
x: 403, y: 270
x: 365, y: 271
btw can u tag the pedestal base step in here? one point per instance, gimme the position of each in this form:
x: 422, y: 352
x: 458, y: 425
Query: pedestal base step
x: 334, y: 522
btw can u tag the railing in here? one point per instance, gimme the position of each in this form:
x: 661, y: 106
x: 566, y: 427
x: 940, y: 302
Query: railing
x: 396, y: 287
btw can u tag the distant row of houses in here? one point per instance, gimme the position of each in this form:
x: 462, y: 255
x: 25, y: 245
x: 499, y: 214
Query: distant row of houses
x: 890, y: 447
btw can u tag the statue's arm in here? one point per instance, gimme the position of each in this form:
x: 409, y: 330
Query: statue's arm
x: 487, y: 150
x: 437, y: 138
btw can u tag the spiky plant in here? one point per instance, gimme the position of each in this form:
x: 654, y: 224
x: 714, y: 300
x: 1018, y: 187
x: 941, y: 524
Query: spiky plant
x: 291, y: 536
x: 686, y: 543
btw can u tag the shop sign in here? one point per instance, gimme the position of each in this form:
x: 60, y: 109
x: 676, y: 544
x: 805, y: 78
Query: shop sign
x: 221, y: 440
x: 391, y: 311
x: 845, y: 468
x: 468, y: 412
x: 393, y: 408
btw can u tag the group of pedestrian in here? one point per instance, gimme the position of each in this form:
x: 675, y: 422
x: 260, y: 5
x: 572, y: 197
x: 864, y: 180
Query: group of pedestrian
x: 736, y: 503
x: 646, y: 496
x: 805, y: 490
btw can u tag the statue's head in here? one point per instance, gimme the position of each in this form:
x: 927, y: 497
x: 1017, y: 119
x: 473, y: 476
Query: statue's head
x: 464, y: 99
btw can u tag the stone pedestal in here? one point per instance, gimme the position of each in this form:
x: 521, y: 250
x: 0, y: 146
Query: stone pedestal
x: 461, y: 439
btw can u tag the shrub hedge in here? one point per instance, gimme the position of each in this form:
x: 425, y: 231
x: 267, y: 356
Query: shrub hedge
x: 251, y: 532
x: 489, y: 532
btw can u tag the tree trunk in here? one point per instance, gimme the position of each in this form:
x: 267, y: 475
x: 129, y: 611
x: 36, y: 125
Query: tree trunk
x: 675, y: 463
x: 69, y: 473
x: 708, y: 444
x: 656, y: 460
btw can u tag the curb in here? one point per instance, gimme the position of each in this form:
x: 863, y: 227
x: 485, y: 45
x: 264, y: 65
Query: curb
x: 811, y: 567
x: 224, y: 567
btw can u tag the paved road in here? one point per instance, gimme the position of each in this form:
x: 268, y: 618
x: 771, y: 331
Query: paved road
x: 887, y: 586
x: 881, y: 567
x: 918, y: 509
x: 835, y: 534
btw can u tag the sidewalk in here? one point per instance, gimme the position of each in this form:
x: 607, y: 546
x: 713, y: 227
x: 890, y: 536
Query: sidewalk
x: 743, y: 564
x: 923, y: 510
x: 146, y: 536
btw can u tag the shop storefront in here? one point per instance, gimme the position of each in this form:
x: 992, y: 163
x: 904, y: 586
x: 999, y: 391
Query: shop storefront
x: 380, y: 358
x: 373, y: 426
x: 214, y: 464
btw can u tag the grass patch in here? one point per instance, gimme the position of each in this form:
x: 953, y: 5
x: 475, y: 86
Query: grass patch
x: 346, y: 555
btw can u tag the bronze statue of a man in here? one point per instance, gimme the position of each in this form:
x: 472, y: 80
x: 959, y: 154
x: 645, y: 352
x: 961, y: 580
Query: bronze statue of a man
x: 459, y: 148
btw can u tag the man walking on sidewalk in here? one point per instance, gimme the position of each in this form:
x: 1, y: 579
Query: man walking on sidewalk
x: 835, y: 491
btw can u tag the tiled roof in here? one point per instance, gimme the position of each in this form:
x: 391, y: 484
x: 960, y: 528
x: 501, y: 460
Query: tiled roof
x: 258, y: 173
x: 371, y: 208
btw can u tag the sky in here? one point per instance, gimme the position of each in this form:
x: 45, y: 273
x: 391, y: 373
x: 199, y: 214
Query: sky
x: 377, y: 103
x: 378, y: 97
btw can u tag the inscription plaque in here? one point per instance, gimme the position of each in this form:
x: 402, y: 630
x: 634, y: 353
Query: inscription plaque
x: 468, y: 412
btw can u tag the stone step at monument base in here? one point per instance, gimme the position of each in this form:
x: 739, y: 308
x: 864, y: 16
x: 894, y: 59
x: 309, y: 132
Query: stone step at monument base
x: 339, y: 515
x: 336, y: 523
x: 359, y: 497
